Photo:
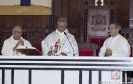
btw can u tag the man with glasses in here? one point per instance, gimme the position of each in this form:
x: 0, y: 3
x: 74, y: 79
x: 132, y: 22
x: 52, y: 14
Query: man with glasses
x: 16, y: 40
x: 64, y: 42
x: 116, y: 45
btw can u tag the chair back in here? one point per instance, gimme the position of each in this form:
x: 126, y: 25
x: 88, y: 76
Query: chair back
x: 87, y: 49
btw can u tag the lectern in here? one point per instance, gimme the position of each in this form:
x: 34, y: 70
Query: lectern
x: 30, y: 51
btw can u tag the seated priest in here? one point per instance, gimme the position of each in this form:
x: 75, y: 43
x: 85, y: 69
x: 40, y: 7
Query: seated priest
x: 16, y: 40
x: 116, y: 45
x: 60, y: 42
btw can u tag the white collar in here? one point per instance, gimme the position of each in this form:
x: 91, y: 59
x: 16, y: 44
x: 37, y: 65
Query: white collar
x: 15, y: 39
x: 61, y: 33
x: 116, y: 37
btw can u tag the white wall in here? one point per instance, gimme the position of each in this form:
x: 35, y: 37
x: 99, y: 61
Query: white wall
x: 47, y: 3
x: 9, y: 2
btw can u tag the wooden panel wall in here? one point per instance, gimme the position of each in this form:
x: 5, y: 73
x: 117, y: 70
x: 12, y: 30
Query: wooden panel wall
x: 25, y: 20
x: 74, y: 11
x: 75, y: 17
x: 131, y: 14
x: 56, y: 6
x: 121, y: 12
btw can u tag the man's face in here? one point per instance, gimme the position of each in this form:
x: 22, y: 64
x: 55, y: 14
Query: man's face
x: 61, y: 26
x: 113, y: 31
x: 17, y: 32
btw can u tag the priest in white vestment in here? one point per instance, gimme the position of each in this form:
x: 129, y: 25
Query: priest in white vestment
x: 116, y: 45
x: 65, y: 45
x: 16, y: 40
x: 61, y: 39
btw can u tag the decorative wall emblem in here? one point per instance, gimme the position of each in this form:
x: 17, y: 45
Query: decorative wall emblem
x: 98, y: 22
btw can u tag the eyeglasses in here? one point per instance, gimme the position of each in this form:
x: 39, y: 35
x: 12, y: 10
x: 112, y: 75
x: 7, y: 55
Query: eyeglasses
x: 111, y: 28
x: 59, y: 26
x: 18, y: 32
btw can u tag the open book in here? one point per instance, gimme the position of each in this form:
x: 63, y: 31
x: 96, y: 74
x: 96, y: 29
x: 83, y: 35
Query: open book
x: 28, y: 50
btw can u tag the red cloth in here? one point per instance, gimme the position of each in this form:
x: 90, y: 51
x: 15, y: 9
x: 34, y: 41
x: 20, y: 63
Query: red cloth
x: 56, y: 45
x: 39, y: 48
x: 130, y: 51
x: 95, y: 40
x: 85, y: 52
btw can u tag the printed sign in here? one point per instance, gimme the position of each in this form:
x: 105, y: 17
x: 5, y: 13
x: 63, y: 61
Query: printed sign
x: 115, y: 74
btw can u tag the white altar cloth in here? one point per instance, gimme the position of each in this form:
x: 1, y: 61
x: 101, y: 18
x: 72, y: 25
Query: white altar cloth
x: 21, y: 76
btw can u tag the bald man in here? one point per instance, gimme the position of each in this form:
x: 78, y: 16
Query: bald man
x: 16, y: 40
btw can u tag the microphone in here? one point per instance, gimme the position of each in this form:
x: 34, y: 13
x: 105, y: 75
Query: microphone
x: 69, y: 43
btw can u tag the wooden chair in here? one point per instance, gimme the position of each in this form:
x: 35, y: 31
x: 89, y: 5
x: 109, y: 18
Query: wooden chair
x: 87, y: 49
x: 35, y: 35
x: 128, y: 34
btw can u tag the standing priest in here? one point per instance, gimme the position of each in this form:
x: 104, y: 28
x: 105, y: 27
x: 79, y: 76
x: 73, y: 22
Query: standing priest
x: 63, y: 43
x: 116, y: 45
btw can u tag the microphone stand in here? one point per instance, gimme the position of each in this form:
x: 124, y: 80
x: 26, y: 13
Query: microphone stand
x: 69, y: 43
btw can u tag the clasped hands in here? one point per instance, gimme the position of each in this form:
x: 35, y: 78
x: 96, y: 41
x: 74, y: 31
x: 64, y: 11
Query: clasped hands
x: 108, y: 52
x: 62, y: 54
x: 20, y: 42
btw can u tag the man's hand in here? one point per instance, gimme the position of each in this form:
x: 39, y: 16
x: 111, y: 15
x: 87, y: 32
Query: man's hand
x: 14, y: 48
x: 108, y: 52
x: 49, y: 53
x: 63, y: 54
x: 20, y: 42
